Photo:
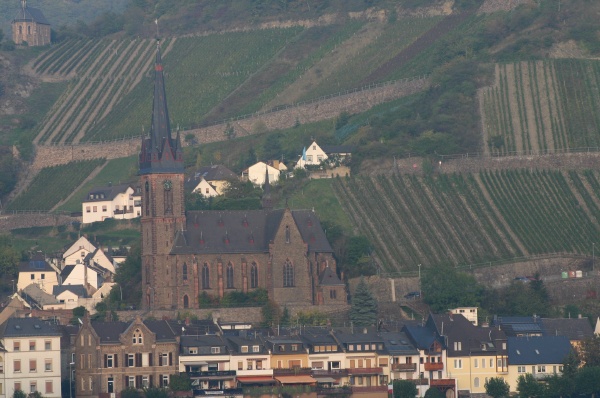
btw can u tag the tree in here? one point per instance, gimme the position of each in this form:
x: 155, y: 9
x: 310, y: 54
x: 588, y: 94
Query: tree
x: 156, y: 392
x: 445, y: 287
x: 270, y: 313
x: 130, y: 392
x: 9, y: 260
x: 364, y: 306
x: 180, y: 382
x: 528, y: 387
x: 589, y: 351
x: 19, y: 394
x: 587, y: 381
x: 129, y: 277
x: 433, y: 392
x: 404, y: 389
x: 497, y: 387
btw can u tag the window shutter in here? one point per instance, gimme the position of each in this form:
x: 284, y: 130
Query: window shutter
x: 170, y: 359
x: 160, y: 360
x: 105, y: 361
x: 125, y: 378
x: 159, y: 382
x: 138, y: 360
x: 150, y: 381
x: 116, y: 362
x: 150, y: 360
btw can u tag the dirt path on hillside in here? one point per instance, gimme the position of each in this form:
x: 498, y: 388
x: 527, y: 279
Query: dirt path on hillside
x: 107, y: 79
x: 342, y: 54
x: 92, y: 175
x: 507, y: 227
x: 68, y: 113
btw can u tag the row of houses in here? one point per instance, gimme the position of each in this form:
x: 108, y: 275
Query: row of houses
x: 124, y: 201
x: 82, y: 276
x: 446, y: 352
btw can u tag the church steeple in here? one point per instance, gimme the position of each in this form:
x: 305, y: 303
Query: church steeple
x: 267, y: 201
x: 160, y: 153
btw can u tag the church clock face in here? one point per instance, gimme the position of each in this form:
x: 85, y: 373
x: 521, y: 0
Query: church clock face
x: 168, y: 185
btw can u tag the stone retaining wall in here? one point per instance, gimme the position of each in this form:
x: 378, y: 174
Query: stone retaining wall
x: 327, y: 109
x: 13, y: 221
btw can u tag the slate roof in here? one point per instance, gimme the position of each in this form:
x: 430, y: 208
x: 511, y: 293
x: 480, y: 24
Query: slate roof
x: 574, y: 328
x: 79, y: 290
x: 519, y: 325
x: 244, y: 231
x: 330, y: 278
x: 30, y: 14
x: 423, y: 338
x: 538, y: 350
x: 208, y: 340
x: 34, y: 293
x: 398, y: 343
x: 102, y: 194
x: 215, y: 172
x: 109, y: 332
x: 21, y: 327
x: 37, y: 263
x: 194, y: 327
x: 161, y: 329
x: 66, y: 271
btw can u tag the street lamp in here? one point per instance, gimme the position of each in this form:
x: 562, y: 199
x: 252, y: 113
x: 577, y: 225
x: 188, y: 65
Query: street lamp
x: 71, y: 379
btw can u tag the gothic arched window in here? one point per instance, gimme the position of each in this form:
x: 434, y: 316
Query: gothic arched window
x: 253, y: 276
x: 137, y: 337
x: 205, y: 277
x: 288, y: 274
x: 229, y: 276
x: 287, y: 234
x: 184, y: 271
x: 168, y: 192
x: 186, y: 301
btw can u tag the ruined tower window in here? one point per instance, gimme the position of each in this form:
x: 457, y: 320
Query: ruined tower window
x: 253, y: 276
x: 288, y: 274
x: 205, y: 277
x: 229, y: 276
x: 185, y: 272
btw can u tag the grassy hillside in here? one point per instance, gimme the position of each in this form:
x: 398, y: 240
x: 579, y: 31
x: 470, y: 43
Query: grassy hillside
x: 469, y: 219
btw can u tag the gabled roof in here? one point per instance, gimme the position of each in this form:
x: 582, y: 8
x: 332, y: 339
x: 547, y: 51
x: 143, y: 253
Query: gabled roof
x: 103, y: 194
x: 398, y: 343
x: 538, y: 350
x: 78, y: 290
x: 20, y: 327
x: 207, y: 340
x: 575, y: 329
x: 333, y: 149
x: 34, y: 293
x: 245, y: 231
x: 109, y: 332
x: 161, y: 329
x: 37, y: 263
x: 330, y: 278
x: 423, y: 338
x: 66, y: 271
x: 30, y: 14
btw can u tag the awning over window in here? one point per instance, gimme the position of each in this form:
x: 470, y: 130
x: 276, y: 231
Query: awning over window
x: 325, y: 380
x: 256, y: 379
x: 301, y: 379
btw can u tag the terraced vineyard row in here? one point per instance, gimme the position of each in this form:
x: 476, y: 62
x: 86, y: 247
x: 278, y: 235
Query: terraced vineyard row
x: 468, y: 219
x: 54, y: 184
x: 542, y: 107
x: 105, y: 70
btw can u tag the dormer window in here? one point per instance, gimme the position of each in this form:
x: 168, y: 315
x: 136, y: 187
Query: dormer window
x: 244, y: 348
x: 215, y: 350
x: 255, y: 348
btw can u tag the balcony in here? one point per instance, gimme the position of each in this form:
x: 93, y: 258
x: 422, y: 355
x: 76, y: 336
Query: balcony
x: 443, y: 383
x: 434, y: 366
x: 228, y: 392
x: 356, y: 389
x: 212, y: 373
x: 292, y: 372
x: 364, y: 371
x: 420, y: 382
x: 330, y: 373
x: 255, y: 372
x: 333, y: 391
x: 404, y: 367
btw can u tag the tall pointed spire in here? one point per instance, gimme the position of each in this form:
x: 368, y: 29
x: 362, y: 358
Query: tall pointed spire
x: 267, y: 202
x: 160, y: 152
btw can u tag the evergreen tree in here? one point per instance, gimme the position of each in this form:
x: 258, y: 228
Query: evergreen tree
x: 497, y: 387
x: 364, y: 306
x: 405, y: 389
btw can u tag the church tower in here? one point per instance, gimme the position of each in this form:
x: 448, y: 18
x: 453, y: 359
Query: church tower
x: 163, y: 211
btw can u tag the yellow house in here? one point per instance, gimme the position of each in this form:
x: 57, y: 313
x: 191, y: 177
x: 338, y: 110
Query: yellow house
x: 542, y: 356
x: 37, y: 271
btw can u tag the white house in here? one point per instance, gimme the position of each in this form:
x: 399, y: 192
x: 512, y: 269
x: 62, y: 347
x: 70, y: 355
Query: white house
x: 311, y: 156
x: 37, y: 271
x: 118, y: 201
x: 210, y: 180
x: 31, y: 357
x: 83, y: 251
x: 86, y: 274
x: 69, y: 295
x: 256, y: 173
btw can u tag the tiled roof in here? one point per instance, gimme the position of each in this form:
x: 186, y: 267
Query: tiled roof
x: 398, y: 343
x: 18, y: 327
x: 538, y: 350
x: 245, y: 231
x: 161, y: 329
x: 66, y: 271
x: 35, y: 293
x: 30, y: 14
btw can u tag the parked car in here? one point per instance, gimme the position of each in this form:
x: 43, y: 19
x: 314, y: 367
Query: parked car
x: 412, y: 295
x: 523, y: 279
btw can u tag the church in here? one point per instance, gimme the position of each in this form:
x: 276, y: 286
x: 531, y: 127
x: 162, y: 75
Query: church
x: 188, y: 253
x: 30, y: 26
